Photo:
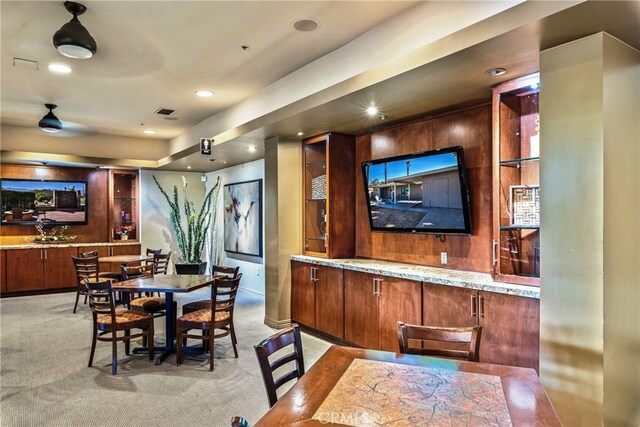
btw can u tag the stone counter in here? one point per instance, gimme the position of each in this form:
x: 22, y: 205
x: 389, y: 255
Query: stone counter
x: 441, y: 276
x: 66, y: 245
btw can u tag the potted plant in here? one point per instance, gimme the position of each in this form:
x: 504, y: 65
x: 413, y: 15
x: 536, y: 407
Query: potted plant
x: 190, y: 242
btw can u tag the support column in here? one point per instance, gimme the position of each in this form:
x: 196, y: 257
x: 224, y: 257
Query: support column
x: 283, y: 225
x: 590, y: 234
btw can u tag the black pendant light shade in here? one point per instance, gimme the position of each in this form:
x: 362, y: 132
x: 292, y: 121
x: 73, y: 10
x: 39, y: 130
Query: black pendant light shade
x: 72, y: 39
x: 50, y: 123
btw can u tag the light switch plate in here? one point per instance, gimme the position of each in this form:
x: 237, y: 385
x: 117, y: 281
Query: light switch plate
x: 443, y: 257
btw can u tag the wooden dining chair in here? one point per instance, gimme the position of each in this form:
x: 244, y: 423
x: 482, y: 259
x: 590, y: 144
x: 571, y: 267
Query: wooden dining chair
x: 239, y: 422
x: 265, y: 348
x: 231, y: 272
x: 108, y: 321
x: 428, y: 335
x: 161, y: 263
x: 146, y: 303
x: 86, y: 267
x: 219, y: 316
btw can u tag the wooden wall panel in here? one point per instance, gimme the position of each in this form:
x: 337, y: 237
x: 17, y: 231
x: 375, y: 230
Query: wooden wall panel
x: 470, y: 128
x: 96, y: 229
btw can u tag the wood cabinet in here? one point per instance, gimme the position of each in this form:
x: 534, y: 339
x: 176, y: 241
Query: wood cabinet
x: 123, y: 205
x: 329, y: 194
x: 317, y: 297
x: 516, y: 181
x: 374, y: 304
x: 510, y: 324
x: 3, y: 271
x: 39, y: 269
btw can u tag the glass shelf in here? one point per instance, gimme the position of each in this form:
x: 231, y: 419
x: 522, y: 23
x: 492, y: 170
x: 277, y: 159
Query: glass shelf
x: 516, y: 163
x: 316, y: 200
x: 519, y: 227
x: 316, y: 164
x: 124, y: 198
x: 315, y: 238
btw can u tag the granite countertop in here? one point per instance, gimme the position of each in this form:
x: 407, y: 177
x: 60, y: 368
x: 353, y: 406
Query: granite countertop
x: 442, y: 276
x: 68, y: 244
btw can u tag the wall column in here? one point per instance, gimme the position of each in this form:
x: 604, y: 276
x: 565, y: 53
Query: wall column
x: 283, y: 225
x: 590, y: 235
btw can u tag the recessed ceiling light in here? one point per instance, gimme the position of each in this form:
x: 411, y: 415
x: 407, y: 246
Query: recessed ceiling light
x: 305, y: 25
x: 189, y: 167
x: 301, y: 133
x: 372, y: 110
x: 252, y: 149
x: 59, y: 68
x: 150, y: 131
x: 204, y: 93
x: 224, y: 163
x: 495, y: 72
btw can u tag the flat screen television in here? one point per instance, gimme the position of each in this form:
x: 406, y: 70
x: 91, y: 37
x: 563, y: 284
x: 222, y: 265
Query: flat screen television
x: 31, y: 202
x: 419, y: 193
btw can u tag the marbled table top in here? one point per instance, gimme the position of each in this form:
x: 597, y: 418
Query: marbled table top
x: 441, y: 276
x: 374, y: 393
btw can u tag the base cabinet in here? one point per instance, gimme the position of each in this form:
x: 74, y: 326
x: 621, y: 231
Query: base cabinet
x: 39, y: 269
x: 317, y: 297
x: 374, y: 304
x: 510, y: 324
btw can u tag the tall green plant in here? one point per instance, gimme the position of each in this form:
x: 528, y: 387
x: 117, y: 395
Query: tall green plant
x: 190, y: 242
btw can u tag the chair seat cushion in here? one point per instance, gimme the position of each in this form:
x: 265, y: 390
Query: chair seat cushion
x: 199, y: 305
x: 203, y: 316
x: 123, y: 317
x: 148, y: 304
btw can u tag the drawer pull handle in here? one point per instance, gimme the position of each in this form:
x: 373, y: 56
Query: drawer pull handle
x: 481, y: 306
x: 473, y: 306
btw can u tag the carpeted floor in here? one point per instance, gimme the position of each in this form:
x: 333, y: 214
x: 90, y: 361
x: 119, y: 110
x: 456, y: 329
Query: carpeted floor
x: 45, y: 381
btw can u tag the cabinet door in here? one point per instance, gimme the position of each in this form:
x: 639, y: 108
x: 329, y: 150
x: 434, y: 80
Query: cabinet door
x: 126, y: 250
x: 303, y: 294
x: 59, y: 271
x: 24, y: 269
x: 330, y: 301
x: 449, y: 306
x: 399, y: 299
x: 3, y: 271
x: 361, y: 310
x: 510, y: 330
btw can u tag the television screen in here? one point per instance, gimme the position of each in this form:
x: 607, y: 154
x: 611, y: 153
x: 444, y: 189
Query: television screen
x: 30, y: 202
x: 423, y: 192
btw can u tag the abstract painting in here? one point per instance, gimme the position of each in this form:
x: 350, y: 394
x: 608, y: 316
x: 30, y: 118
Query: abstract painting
x: 243, y: 217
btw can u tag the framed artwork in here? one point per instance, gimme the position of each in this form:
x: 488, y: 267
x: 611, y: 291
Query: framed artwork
x: 243, y: 217
x: 524, y: 205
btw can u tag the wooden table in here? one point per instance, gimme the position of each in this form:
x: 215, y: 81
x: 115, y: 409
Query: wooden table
x: 519, y: 388
x: 169, y: 284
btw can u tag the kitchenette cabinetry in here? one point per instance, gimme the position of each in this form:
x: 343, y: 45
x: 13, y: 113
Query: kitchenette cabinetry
x: 374, y: 304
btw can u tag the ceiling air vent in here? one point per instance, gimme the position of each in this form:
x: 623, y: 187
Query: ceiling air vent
x: 165, y: 111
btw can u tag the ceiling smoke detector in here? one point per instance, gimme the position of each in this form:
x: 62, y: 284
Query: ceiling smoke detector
x: 305, y: 25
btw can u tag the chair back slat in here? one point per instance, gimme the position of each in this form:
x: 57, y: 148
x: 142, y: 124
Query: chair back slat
x: 85, y: 267
x: 223, y: 294
x: 427, y: 335
x: 267, y: 347
x: 101, y: 298
x: 136, y: 271
x: 229, y: 271
x: 88, y: 254
x: 161, y: 263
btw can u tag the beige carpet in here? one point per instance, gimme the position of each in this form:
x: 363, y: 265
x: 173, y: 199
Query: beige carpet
x: 45, y: 381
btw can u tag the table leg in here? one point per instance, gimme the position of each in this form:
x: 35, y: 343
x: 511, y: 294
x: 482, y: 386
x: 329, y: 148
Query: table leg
x: 170, y: 345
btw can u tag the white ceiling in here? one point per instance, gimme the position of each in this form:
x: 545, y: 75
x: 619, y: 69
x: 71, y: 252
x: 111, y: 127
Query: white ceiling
x: 154, y: 54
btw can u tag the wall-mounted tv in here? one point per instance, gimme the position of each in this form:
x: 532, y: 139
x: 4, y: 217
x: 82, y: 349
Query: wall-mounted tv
x: 31, y: 202
x: 419, y: 193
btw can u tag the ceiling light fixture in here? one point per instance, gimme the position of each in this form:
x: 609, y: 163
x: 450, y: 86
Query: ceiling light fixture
x: 50, y: 123
x: 301, y: 133
x: 73, y: 39
x: 305, y: 25
x: 252, y: 149
x: 150, y: 131
x: 189, y: 167
x: 204, y: 93
x: 59, y: 68
x: 495, y: 72
x: 372, y: 110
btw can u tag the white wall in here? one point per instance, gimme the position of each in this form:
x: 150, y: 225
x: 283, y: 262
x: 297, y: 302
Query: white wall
x: 156, y: 229
x: 251, y: 267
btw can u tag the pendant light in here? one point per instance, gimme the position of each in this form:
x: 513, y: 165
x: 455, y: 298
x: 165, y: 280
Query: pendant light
x: 72, y: 39
x: 50, y: 123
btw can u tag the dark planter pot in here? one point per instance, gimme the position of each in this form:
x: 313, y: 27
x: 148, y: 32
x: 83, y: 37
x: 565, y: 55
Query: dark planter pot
x: 191, y: 268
